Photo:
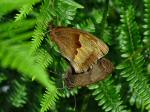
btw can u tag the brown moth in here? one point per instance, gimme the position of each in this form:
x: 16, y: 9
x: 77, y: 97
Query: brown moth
x: 99, y: 71
x: 84, y: 51
x: 80, y: 48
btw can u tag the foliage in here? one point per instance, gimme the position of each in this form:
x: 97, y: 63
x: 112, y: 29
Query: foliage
x: 32, y: 69
x: 18, y: 95
x: 133, y: 67
x: 107, y: 96
x: 48, y: 100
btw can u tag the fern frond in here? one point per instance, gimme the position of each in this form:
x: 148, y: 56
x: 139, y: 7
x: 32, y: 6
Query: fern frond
x: 6, y: 6
x: 87, y: 25
x: 133, y: 67
x: 97, y: 15
x: 146, y: 27
x: 18, y: 95
x: 107, y: 96
x: 34, y: 98
x: 147, y: 21
x: 2, y: 77
x: 67, y: 93
x: 43, y: 19
x: 136, y: 100
x: 66, y: 10
x: 12, y: 30
x: 43, y: 58
x: 49, y: 99
x: 129, y: 37
x: 133, y: 71
x: 26, y: 9
x: 24, y: 62
x: 148, y: 68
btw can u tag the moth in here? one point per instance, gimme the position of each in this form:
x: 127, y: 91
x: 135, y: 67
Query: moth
x: 82, y: 50
x: 99, y: 72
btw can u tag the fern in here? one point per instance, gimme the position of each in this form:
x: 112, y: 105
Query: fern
x: 47, y: 12
x: 102, y: 90
x: 18, y: 95
x: 17, y: 31
x: 23, y: 59
x: 129, y: 33
x: 67, y: 93
x: 133, y: 71
x: 148, y: 68
x: 10, y: 49
x: 12, y: 6
x: 26, y: 9
x: 107, y: 96
x: 146, y: 27
x: 97, y: 15
x: 87, y: 25
x: 43, y: 58
x: 132, y: 68
x: 27, y: 53
x: 46, y: 103
x: 136, y: 100
x: 49, y: 99
x: 147, y: 22
x: 66, y: 10
x: 2, y: 77
x: 34, y: 97
x: 43, y: 18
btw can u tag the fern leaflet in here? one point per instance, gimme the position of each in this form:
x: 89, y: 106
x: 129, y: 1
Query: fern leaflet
x: 26, y: 9
x: 49, y: 99
x: 18, y: 95
x: 132, y: 68
x: 107, y: 96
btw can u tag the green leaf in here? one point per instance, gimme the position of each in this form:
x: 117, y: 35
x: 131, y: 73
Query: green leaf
x: 107, y: 96
x: 49, y: 99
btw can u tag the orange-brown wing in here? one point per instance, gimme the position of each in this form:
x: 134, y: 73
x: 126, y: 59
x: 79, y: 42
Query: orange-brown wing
x: 80, y: 48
